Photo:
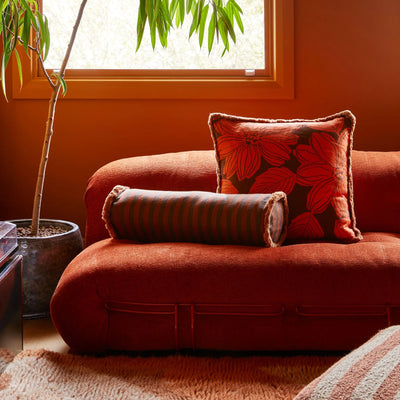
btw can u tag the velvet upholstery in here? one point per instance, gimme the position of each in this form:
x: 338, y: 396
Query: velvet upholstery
x: 376, y: 177
x: 309, y: 296
x: 291, y: 283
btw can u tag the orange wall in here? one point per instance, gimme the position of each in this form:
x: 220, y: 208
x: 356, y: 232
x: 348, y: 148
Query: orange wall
x: 346, y: 57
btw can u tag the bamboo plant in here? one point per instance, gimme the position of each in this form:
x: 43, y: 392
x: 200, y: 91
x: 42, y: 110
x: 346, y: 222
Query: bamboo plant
x: 24, y: 27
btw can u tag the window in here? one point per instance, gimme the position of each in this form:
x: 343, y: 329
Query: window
x: 113, y: 46
x: 270, y: 75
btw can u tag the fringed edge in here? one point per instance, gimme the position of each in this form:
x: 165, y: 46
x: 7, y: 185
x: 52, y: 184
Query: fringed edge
x: 216, y: 154
x: 214, y: 117
x: 350, y: 188
x: 275, y: 197
x: 106, y: 211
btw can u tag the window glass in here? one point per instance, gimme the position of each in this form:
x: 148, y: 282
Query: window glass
x: 107, y: 40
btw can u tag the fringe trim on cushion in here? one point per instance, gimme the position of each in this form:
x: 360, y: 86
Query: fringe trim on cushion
x: 214, y: 117
x: 106, y: 212
x: 275, y: 197
x: 350, y: 193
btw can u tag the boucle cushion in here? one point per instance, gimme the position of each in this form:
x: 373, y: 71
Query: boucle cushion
x: 309, y: 160
x: 205, y: 217
x: 371, y: 372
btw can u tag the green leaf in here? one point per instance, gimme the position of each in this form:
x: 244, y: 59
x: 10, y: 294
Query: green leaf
x: 173, y: 7
x: 32, y: 13
x: 199, y: 9
x: 41, y: 30
x: 224, y: 19
x: 4, y: 63
x: 46, y: 38
x: 26, y: 31
x: 141, y: 23
x: 149, y: 10
x: 16, y: 29
x: 203, y: 20
x: 166, y: 15
x: 211, y: 31
x: 238, y: 19
x: 19, y: 65
x: 4, y: 30
x: 162, y: 31
x: 161, y: 15
x: 181, y: 11
x: 156, y: 8
x: 4, y: 5
x: 189, y: 5
x: 193, y: 26
x: 153, y: 35
x: 62, y: 82
x: 31, y: 4
x: 223, y: 33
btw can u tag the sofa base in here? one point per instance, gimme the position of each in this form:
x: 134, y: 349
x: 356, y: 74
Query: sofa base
x: 244, y: 327
x: 117, y: 295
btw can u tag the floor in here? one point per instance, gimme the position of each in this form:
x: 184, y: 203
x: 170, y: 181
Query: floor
x: 41, y: 334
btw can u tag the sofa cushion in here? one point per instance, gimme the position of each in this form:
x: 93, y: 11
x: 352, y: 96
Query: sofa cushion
x: 309, y: 160
x: 195, y: 216
x: 376, y: 176
x: 308, y: 296
x: 371, y: 372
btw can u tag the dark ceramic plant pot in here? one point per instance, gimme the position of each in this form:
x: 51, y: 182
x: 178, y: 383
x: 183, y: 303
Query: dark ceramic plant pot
x: 44, y: 260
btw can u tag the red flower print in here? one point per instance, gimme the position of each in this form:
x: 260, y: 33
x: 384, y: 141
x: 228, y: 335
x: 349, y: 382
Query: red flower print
x: 305, y: 226
x: 227, y: 187
x: 243, y: 145
x: 320, y: 196
x: 273, y: 180
x: 324, y: 167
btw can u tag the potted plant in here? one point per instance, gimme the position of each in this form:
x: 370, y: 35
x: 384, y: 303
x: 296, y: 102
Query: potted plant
x: 49, y: 245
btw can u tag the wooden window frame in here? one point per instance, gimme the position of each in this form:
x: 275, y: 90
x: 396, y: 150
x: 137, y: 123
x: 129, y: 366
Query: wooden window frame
x: 276, y: 82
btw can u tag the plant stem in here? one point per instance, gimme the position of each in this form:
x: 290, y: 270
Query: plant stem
x: 37, y: 204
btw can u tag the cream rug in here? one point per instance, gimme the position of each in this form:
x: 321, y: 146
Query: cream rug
x: 45, y: 375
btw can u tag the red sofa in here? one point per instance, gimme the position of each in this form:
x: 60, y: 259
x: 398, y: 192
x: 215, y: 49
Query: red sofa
x: 119, y: 295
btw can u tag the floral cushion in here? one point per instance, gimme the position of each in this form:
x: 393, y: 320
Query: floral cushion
x: 309, y: 160
x: 167, y: 216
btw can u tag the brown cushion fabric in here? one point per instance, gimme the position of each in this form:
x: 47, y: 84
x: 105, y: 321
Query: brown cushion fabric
x: 204, y: 217
x: 309, y: 160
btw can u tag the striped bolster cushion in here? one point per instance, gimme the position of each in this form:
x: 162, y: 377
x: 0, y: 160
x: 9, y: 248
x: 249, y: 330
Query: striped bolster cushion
x: 204, y: 217
x: 371, y: 372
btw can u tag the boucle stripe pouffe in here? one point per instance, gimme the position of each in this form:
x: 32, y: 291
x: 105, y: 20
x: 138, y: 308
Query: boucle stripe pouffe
x: 371, y: 372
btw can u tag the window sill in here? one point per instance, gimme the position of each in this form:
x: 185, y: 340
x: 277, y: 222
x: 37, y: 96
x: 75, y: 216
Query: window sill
x: 119, y: 88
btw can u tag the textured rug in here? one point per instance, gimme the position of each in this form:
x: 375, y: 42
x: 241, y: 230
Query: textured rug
x: 41, y: 374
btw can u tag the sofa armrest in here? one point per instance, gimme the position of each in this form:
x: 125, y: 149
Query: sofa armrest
x: 376, y: 177
x: 188, y: 170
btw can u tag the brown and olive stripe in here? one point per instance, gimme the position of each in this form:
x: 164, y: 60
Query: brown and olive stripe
x: 203, y: 217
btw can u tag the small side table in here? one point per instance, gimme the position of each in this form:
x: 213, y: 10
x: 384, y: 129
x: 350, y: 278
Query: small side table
x: 10, y: 292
